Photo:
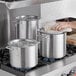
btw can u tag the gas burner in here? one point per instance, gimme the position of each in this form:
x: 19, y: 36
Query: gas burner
x: 44, y: 59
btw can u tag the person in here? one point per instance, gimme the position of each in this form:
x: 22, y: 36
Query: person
x: 62, y: 25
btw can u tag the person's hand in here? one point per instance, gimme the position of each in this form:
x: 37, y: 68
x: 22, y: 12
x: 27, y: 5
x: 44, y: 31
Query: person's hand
x: 61, y: 25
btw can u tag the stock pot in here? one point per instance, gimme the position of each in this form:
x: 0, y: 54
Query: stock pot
x: 53, y: 43
x: 26, y: 27
x: 53, y: 46
x: 23, y: 53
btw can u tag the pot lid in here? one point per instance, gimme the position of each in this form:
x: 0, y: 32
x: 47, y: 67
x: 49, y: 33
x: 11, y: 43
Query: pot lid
x: 22, y: 43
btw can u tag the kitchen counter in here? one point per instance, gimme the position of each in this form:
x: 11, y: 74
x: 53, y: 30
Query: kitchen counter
x: 54, y: 68
x: 4, y: 73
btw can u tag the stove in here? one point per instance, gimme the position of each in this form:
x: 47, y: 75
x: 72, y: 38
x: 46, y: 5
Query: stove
x: 43, y: 62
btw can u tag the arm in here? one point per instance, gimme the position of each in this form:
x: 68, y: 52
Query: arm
x: 73, y: 24
x: 62, y: 25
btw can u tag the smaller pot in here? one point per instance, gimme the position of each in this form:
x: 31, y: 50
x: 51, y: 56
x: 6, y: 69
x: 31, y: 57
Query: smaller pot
x: 23, y: 53
x: 52, y: 44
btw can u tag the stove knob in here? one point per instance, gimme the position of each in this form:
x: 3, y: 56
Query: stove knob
x: 64, y: 74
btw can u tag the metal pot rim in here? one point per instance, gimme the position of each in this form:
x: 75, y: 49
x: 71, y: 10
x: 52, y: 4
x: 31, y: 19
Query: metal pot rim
x: 50, y: 33
x: 22, y: 43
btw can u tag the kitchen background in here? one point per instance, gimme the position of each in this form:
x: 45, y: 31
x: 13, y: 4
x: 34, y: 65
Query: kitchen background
x: 47, y: 12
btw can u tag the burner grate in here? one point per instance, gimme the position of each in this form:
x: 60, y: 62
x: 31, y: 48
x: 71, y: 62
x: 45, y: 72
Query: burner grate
x: 71, y: 50
x: 4, y: 56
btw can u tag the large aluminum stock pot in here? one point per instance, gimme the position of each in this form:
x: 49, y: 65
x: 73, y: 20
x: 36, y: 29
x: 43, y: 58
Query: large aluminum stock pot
x: 23, y: 53
x: 53, y: 45
x: 26, y: 27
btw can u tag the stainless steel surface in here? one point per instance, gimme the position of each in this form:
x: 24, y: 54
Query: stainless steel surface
x: 9, y: 14
x: 4, y: 25
x: 4, y: 73
x: 64, y: 74
x: 33, y: 10
x: 24, y: 3
x: 23, y: 53
x: 30, y: 25
x: 47, y: 46
x: 55, y: 69
x: 59, y: 45
x: 8, y: 18
x: 21, y: 27
x: 32, y: 28
x: 53, y: 46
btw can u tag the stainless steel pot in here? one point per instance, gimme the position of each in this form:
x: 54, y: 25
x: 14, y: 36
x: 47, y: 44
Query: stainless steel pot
x: 23, y: 53
x: 53, y: 45
x: 27, y: 27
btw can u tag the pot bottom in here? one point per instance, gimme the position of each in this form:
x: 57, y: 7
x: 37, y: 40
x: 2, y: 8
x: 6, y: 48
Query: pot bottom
x: 23, y: 68
x: 52, y: 57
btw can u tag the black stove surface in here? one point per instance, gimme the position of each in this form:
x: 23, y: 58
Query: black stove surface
x: 5, y: 61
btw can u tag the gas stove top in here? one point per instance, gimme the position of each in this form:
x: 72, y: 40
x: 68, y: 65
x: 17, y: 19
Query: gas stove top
x: 5, y: 64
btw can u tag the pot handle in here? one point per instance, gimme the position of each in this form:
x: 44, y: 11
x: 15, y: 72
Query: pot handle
x: 7, y: 47
x: 42, y: 32
x: 40, y: 36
